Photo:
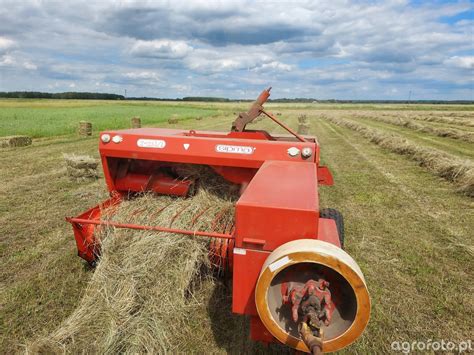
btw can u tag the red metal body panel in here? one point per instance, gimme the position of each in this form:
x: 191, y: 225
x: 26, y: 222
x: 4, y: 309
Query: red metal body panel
x: 327, y: 231
x: 202, y: 147
x: 84, y: 232
x: 158, y: 183
x: 247, y: 266
x: 325, y: 176
x: 279, y: 205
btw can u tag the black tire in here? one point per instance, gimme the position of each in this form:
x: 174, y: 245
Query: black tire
x: 335, y: 215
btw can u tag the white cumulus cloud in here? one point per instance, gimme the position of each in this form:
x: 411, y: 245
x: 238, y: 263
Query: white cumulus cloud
x: 464, y: 62
x: 165, y: 49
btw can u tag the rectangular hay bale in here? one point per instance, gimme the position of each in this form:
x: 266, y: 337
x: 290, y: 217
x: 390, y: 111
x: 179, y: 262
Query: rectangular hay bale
x: 81, y: 166
x: 15, y: 141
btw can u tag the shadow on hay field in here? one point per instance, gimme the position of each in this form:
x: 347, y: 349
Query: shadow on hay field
x: 231, y: 332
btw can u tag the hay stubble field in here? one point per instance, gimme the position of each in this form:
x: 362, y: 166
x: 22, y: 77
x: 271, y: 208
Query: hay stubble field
x: 408, y: 227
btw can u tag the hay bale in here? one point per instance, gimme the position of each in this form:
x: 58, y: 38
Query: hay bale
x: 302, y: 119
x: 153, y: 292
x: 85, y: 128
x: 303, y: 124
x: 136, y: 122
x: 81, y: 167
x: 173, y: 119
x: 15, y: 141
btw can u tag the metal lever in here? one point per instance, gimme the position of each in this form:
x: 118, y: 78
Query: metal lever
x: 255, y: 110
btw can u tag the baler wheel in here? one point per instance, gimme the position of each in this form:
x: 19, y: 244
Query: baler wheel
x: 332, y: 213
x: 298, y: 262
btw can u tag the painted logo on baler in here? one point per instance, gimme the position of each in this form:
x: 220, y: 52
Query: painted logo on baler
x: 151, y: 143
x: 234, y: 149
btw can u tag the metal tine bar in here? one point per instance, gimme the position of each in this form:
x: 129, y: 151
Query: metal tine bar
x: 158, y: 211
x: 82, y: 221
x: 228, y: 221
x: 198, y: 215
x: 229, y: 226
x: 177, y: 214
x: 137, y: 211
x: 218, y: 217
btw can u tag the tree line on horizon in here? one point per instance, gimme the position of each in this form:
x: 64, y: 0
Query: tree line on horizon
x: 60, y: 95
x: 105, y: 96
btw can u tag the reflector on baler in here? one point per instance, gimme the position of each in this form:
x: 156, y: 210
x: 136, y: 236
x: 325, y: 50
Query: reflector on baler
x: 290, y: 274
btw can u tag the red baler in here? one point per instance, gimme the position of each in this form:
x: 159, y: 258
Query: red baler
x: 290, y: 273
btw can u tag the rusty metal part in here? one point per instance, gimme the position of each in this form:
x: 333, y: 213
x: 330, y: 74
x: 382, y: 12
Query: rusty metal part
x: 255, y: 110
x: 312, y: 341
x: 312, y: 300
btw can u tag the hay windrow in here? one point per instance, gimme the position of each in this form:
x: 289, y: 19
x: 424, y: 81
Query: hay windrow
x: 454, y: 121
x: 440, y: 132
x: 150, y: 291
x: 447, y: 166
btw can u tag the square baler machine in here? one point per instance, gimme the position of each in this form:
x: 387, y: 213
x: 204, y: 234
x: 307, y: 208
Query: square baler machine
x: 289, y: 271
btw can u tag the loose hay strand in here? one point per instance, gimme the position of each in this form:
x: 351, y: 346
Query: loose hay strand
x: 150, y: 290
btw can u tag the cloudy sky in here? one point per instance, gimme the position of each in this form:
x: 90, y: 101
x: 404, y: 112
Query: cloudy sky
x: 321, y: 49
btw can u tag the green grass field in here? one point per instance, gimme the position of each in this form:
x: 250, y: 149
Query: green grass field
x: 38, y: 118
x: 410, y: 231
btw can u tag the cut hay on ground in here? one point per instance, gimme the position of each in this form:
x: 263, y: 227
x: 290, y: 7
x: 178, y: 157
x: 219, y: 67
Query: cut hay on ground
x: 440, y: 132
x: 154, y: 292
x: 15, y: 141
x: 461, y: 121
x: 81, y: 167
x: 303, y: 129
x: 303, y: 125
x: 449, y: 167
